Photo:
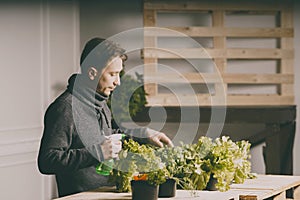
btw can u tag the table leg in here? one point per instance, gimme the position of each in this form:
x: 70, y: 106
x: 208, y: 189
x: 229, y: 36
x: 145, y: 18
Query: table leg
x: 278, y: 152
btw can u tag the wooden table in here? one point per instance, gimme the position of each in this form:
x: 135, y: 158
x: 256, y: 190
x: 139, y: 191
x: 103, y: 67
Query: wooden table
x: 264, y: 187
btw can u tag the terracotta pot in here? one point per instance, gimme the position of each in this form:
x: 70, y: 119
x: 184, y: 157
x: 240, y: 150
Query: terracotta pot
x: 167, y: 189
x: 143, y: 190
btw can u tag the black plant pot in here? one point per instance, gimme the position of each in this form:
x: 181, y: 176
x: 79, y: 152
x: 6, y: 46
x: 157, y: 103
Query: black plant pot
x: 167, y: 189
x: 143, y: 190
x: 211, y: 185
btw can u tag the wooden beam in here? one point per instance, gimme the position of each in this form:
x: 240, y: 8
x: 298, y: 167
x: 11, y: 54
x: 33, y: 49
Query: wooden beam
x: 209, y: 100
x: 209, y: 78
x: 287, y: 64
x: 212, y: 5
x: 150, y: 42
x: 197, y: 31
x: 202, y: 53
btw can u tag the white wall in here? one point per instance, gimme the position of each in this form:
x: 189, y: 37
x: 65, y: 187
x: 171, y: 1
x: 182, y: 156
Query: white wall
x: 39, y: 49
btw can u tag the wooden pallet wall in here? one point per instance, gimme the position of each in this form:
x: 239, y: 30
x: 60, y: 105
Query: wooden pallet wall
x: 282, y: 54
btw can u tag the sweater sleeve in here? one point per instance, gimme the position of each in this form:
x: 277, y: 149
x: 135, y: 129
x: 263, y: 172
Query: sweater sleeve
x: 57, y: 154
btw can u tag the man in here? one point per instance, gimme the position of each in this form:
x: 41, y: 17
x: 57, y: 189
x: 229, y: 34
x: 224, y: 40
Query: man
x: 77, y: 125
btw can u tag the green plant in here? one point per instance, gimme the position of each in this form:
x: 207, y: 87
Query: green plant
x: 184, y: 163
x: 228, y: 162
x: 136, y: 161
x: 128, y: 99
x: 193, y: 165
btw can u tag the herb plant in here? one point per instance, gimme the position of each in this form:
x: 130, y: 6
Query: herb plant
x: 136, y: 161
x: 228, y: 162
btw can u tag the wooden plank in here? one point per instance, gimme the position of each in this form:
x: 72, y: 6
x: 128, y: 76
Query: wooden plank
x: 280, y: 196
x: 202, y: 53
x: 208, y: 100
x: 259, y: 53
x: 270, y: 182
x: 211, y: 5
x: 172, y: 100
x: 239, y: 100
x: 181, y: 53
x: 197, y: 31
x: 241, y: 193
x: 150, y: 42
x: 100, y: 194
x: 210, y: 78
x: 202, y: 195
x: 259, y: 194
x: 258, y: 78
x: 149, y: 70
x: 287, y: 64
x: 297, y: 192
x: 219, y: 42
x: 259, y: 32
x: 266, y: 186
x: 248, y: 197
x: 150, y: 88
x: 149, y: 17
x: 287, y: 89
x: 287, y: 43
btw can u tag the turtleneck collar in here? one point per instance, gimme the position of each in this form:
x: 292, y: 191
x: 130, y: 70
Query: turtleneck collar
x: 79, y: 87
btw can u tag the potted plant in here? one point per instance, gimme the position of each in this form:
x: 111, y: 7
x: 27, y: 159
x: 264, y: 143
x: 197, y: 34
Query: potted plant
x: 139, y: 170
x: 189, y: 161
x: 169, y: 156
x: 227, y: 163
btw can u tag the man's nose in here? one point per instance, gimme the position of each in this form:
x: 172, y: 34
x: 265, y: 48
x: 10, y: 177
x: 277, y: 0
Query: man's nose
x: 117, y: 81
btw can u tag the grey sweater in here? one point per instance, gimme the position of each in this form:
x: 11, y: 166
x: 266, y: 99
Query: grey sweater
x: 74, y: 127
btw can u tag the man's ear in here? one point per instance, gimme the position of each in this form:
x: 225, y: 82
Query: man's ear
x: 92, y: 73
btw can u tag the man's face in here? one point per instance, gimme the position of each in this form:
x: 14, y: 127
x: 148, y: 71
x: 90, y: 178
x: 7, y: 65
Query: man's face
x: 110, y: 77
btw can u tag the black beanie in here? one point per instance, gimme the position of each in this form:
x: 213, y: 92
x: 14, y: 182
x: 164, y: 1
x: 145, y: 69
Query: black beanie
x: 98, y: 52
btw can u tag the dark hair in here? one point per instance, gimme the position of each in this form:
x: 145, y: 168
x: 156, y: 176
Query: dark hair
x: 98, y: 52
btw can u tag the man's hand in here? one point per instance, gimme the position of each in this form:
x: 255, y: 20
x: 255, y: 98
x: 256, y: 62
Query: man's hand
x: 110, y: 148
x: 158, y: 138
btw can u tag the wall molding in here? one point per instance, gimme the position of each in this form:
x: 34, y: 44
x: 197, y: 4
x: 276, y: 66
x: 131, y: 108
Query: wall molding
x: 19, y: 146
x: 16, y: 163
x: 20, y: 135
x: 19, y: 141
